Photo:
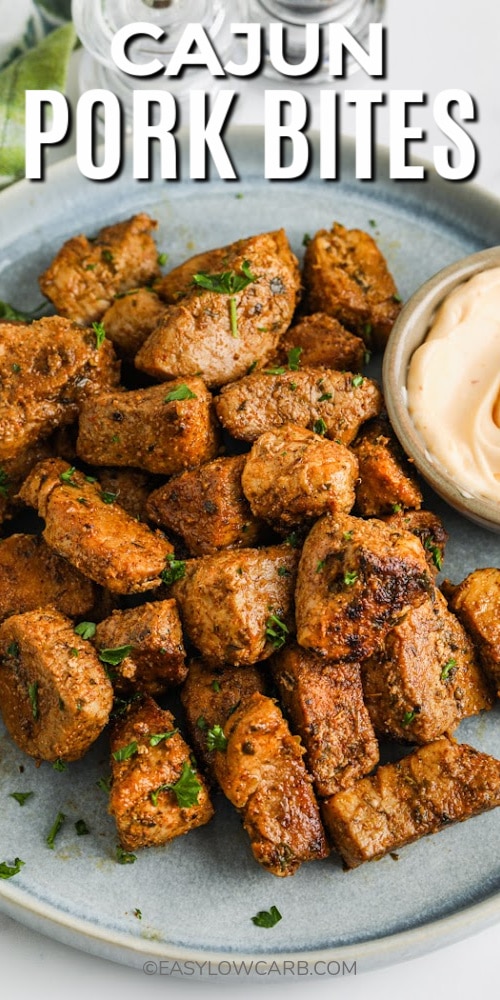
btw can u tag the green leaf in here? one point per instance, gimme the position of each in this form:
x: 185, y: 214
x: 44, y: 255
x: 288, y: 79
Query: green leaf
x: 276, y: 631
x: 448, y: 670
x: 125, y: 753
x: 180, y: 393
x: 86, y: 630
x: 357, y: 381
x: 267, y: 918
x: 175, y: 570
x: 350, y: 577
x: 7, y: 871
x: 226, y: 283
x: 233, y: 316
x: 33, y: 697
x: 157, y: 738
x: 294, y: 358
x: 115, y: 656
x: 124, y: 857
x: 108, y: 497
x: 59, y: 765
x: 54, y: 830
x: 21, y: 797
x: 100, y: 334
x: 186, y: 789
x: 216, y: 739
x: 319, y: 427
x: 81, y: 828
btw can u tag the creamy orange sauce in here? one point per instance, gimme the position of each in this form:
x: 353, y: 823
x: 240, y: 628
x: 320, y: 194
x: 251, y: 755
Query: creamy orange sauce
x: 453, y: 386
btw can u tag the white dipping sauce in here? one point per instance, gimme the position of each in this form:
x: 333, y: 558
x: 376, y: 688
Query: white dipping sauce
x: 454, y: 385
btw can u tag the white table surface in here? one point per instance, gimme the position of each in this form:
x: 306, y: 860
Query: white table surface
x: 433, y: 45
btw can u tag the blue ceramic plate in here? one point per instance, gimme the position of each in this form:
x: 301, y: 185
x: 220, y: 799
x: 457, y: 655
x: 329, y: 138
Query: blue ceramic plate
x: 197, y: 896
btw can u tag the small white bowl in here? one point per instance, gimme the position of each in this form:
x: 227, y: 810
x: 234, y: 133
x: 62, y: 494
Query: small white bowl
x: 408, y: 333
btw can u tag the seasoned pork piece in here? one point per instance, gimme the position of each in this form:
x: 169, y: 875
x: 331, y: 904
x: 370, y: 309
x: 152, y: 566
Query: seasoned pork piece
x: 225, y: 318
x: 150, y: 636
x: 131, y: 319
x: 209, y: 697
x: 292, y: 474
x: 157, y: 792
x: 86, y: 275
x: 331, y: 403
x: 164, y: 429
x: 323, y: 343
x: 207, y: 508
x: 346, y: 276
x: 237, y: 606
x: 33, y: 576
x: 476, y: 601
x: 55, y: 698
x: 387, y: 480
x: 441, y: 783
x: 424, y: 679
x: 97, y: 537
x: 428, y: 528
x: 14, y: 470
x: 44, y: 375
x: 261, y: 771
x: 356, y: 579
x: 129, y: 487
x: 324, y: 703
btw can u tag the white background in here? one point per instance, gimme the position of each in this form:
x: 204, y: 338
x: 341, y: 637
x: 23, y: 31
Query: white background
x: 433, y: 45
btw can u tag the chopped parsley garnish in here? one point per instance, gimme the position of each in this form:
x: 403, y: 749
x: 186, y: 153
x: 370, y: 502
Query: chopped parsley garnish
x: 350, y: 577
x: 252, y: 367
x: 174, y: 570
x: 107, y: 256
x: 325, y: 397
x: 347, y: 536
x: 157, y: 738
x: 435, y: 552
x: 59, y: 765
x: 215, y: 686
x: 283, y: 571
x: 86, y: 630
x: 294, y: 358
x: 448, y: 670
x: 277, y: 370
x: 104, y: 784
x: 67, y: 476
x: 54, y: 830
x: 4, y: 482
x: 357, y: 381
x: 408, y: 718
x: 137, y: 913
x: 74, y: 652
x: 319, y: 427
x: 226, y: 283
x: 367, y: 356
x: 186, y: 789
x: 267, y: 918
x: 33, y: 697
x: 396, y: 508
x: 7, y: 871
x: 321, y: 565
x: 202, y: 723
x: 108, y: 497
x: 115, y: 656
x: 276, y: 631
x: 10, y: 312
x: 125, y: 753
x: 180, y: 393
x: 100, y: 334
x: 13, y: 650
x: 21, y: 797
x: 373, y: 223
x: 233, y: 316
x: 396, y: 298
x: 81, y: 828
x: 293, y: 540
x: 306, y: 239
x: 216, y: 740
x: 162, y: 259
x: 124, y: 857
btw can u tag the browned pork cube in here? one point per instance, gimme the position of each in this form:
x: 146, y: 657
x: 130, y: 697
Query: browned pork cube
x: 323, y: 343
x: 163, y: 429
x: 226, y: 318
x: 207, y: 508
x: 424, y: 679
x: 292, y: 474
x: 476, y: 601
x: 346, y: 276
x: 34, y: 576
x: 428, y: 528
x: 129, y: 487
x: 387, y: 480
x: 14, y: 470
x: 356, y: 579
x: 96, y: 536
x: 55, y: 698
x: 44, y: 374
x: 151, y: 638
x: 237, y: 606
x: 324, y: 702
x: 209, y: 697
x: 85, y: 275
x: 437, y: 784
x: 157, y: 793
x: 331, y: 403
x: 262, y: 773
x: 131, y: 319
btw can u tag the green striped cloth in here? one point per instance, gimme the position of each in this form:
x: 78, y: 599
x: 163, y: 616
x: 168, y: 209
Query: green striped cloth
x: 42, y: 67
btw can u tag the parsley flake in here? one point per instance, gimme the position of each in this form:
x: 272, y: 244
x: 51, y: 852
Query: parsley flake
x: 186, y: 789
x: 350, y: 578
x: 216, y: 739
x: 54, y: 830
x: 435, y: 552
x: 215, y: 686
x: 21, y: 797
x: 357, y: 381
x: 294, y: 358
x: 319, y: 427
x: 267, y: 918
x: 276, y: 631
x: 448, y: 670
x: 33, y: 697
x: 226, y: 283
x: 124, y: 857
x: 180, y: 393
x: 100, y: 334
x: 174, y: 570
x: 233, y: 316
x: 408, y: 718
x: 13, y: 650
x: 59, y: 765
x: 86, y: 630
x: 108, y: 497
x: 67, y: 476
x: 81, y: 828
x: 7, y: 871
x: 125, y: 753
x: 162, y: 259
x: 277, y: 370
x: 157, y: 738
x: 115, y: 656
x: 325, y: 397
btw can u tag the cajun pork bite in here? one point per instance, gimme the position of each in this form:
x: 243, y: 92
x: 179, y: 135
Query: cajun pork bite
x: 356, y: 578
x: 261, y: 771
x: 323, y: 343
x: 327, y: 402
x: 86, y: 275
x: 96, y: 536
x: 163, y: 429
x: 476, y: 601
x: 150, y: 639
x: 387, y: 480
x: 226, y: 315
x: 45, y: 371
x: 209, y: 697
x: 129, y: 487
x: 14, y: 470
x: 33, y: 576
x: 207, y: 507
x: 292, y: 474
x: 427, y: 527
x: 437, y: 784
x: 424, y: 678
x: 131, y: 319
x: 237, y: 606
x: 346, y: 276
x: 55, y: 698
x: 156, y: 793
x: 324, y: 702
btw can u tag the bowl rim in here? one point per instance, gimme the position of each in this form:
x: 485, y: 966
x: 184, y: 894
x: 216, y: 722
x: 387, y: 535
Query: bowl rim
x: 408, y: 333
